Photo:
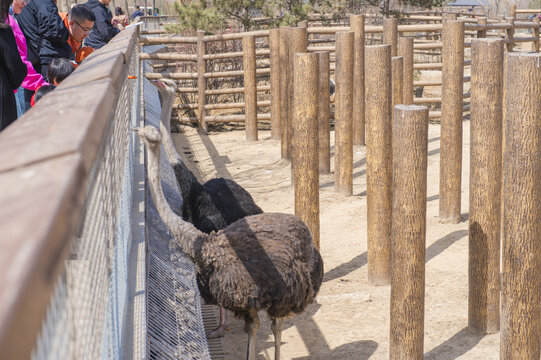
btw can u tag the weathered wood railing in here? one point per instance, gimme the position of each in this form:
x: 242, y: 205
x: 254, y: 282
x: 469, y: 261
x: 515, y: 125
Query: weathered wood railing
x: 427, y: 44
x: 62, y: 165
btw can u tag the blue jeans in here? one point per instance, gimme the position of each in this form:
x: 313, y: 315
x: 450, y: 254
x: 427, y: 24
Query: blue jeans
x: 19, y: 99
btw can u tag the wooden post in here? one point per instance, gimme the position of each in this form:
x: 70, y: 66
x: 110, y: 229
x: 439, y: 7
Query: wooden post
x: 482, y: 33
x: 357, y: 26
x: 397, y: 67
x: 201, y: 81
x: 405, y: 49
x: 390, y: 34
x: 410, y: 142
x: 510, y: 34
x: 305, y: 147
x: 343, y: 118
x: 513, y: 11
x: 275, y: 73
x: 284, y: 86
x: 378, y: 163
x: 446, y: 17
x: 250, y: 90
x: 485, y: 185
x: 303, y: 24
x: 298, y: 43
x: 521, y: 280
x: 501, y: 19
x: 128, y: 14
x: 535, y: 34
x: 451, y: 121
x: 324, y: 113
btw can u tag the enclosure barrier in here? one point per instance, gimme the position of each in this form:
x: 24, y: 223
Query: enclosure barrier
x: 297, y: 44
x: 425, y: 32
x: 521, y: 283
x: 284, y: 96
x: 66, y: 174
x: 378, y: 163
x: 305, y: 141
x: 357, y: 26
x: 485, y: 188
x: 410, y: 143
x: 343, y: 145
x: 451, y: 123
x: 324, y: 113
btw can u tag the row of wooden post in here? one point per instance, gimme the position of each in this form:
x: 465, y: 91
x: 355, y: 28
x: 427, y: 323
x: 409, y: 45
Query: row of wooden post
x: 396, y: 244
x: 298, y: 42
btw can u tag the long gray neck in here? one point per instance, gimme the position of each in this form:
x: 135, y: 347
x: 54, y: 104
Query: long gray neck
x: 165, y: 130
x: 187, y: 236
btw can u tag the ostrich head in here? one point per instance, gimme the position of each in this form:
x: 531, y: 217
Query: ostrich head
x: 166, y: 86
x: 150, y: 136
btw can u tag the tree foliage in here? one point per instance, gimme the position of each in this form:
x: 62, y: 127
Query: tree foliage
x: 211, y: 15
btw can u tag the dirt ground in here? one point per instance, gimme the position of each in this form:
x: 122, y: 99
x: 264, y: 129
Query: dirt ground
x: 350, y: 319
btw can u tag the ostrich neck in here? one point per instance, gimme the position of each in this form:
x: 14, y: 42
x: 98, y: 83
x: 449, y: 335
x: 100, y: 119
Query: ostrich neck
x: 165, y: 129
x: 185, y: 177
x: 188, y: 237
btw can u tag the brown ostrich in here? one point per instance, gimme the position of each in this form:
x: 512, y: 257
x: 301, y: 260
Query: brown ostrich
x: 261, y: 262
x: 210, y: 206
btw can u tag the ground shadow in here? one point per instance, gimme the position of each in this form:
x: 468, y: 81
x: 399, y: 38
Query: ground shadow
x: 221, y: 169
x: 433, y: 197
x: 346, y: 268
x: 459, y: 344
x: 315, y: 342
x: 331, y: 183
x: 433, y: 152
x: 362, y: 349
x: 433, y: 139
x: 443, y: 243
x: 361, y: 260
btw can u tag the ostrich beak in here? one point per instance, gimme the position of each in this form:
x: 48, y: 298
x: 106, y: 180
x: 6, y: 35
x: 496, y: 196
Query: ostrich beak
x: 136, y: 129
x: 158, y: 83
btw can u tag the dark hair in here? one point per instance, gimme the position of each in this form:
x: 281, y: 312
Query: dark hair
x: 59, y: 69
x: 137, y: 7
x: 42, y: 91
x: 4, y: 10
x: 119, y: 11
x: 81, y: 13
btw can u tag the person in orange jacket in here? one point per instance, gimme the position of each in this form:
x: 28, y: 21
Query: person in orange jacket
x: 79, y: 22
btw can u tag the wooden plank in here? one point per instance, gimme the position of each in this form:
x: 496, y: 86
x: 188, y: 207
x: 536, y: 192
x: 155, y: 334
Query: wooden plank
x: 51, y: 129
x: 44, y: 206
x: 107, y: 65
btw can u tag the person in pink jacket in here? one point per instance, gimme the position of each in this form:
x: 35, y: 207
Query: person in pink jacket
x: 33, y: 79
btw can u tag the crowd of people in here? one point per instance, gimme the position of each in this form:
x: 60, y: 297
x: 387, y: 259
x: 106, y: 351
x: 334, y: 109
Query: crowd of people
x: 39, y: 47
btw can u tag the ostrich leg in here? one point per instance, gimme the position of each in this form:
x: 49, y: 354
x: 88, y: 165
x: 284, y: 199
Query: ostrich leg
x: 251, y: 324
x: 277, y: 325
x: 220, y: 330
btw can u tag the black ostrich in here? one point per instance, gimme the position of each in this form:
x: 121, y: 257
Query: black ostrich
x: 210, y: 206
x: 261, y: 262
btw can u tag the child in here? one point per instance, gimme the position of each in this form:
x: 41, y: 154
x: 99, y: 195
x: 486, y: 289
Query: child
x: 41, y: 92
x: 58, y: 70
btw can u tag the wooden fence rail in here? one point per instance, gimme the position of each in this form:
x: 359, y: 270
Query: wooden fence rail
x: 425, y: 30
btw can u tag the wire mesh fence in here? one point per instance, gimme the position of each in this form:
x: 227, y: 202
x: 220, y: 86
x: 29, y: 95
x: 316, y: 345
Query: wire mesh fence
x: 174, y: 316
x: 100, y: 307
x: 87, y: 313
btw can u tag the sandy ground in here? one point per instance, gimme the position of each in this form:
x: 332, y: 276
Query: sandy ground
x: 351, y: 318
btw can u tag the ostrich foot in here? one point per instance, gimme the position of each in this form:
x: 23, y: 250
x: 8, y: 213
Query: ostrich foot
x: 220, y: 330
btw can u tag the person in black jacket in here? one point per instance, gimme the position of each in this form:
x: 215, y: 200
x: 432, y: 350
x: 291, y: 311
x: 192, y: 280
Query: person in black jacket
x: 45, y: 32
x: 105, y: 26
x: 12, y: 69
